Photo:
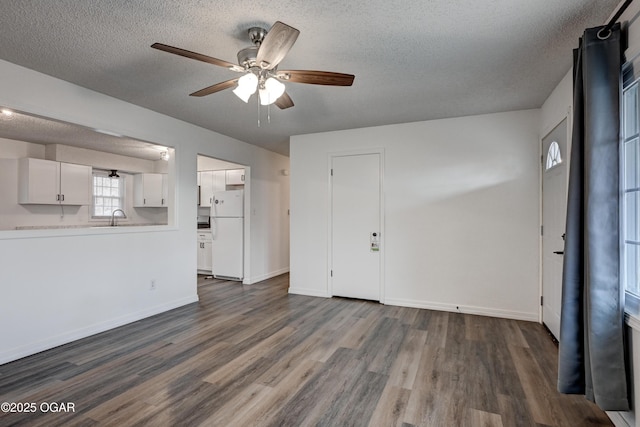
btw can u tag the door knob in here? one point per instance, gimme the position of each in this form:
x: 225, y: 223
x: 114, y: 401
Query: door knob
x: 558, y: 252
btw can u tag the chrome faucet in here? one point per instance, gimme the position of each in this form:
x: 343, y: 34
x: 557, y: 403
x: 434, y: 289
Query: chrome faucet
x: 114, y: 222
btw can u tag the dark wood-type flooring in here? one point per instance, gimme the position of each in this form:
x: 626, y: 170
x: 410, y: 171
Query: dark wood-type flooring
x: 257, y: 356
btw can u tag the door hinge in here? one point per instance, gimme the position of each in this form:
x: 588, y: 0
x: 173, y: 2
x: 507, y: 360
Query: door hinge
x: 331, y: 273
x: 332, y: 172
x: 542, y: 230
x: 541, y: 300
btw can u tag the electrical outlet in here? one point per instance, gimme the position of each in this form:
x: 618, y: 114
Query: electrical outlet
x: 152, y: 286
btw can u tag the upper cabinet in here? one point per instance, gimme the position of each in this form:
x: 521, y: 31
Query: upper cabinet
x: 217, y: 180
x: 235, y: 177
x: 210, y: 181
x: 48, y: 182
x: 150, y: 190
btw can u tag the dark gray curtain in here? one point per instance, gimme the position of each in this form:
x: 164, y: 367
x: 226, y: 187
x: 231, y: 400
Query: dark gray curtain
x: 592, y: 348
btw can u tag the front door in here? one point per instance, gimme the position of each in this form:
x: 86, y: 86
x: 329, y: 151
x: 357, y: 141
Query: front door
x: 554, y: 209
x: 355, y: 226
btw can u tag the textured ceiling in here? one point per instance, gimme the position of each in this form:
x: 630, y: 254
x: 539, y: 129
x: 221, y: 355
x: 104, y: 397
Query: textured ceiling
x: 413, y: 59
x: 41, y: 130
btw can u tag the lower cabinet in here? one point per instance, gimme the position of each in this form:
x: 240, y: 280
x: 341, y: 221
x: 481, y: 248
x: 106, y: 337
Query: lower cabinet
x: 205, y: 259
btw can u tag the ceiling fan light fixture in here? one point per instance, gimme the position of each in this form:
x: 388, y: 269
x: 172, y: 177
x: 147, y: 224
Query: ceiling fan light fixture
x: 6, y: 114
x: 243, y: 95
x: 273, y: 89
x: 247, y: 86
x: 259, y: 67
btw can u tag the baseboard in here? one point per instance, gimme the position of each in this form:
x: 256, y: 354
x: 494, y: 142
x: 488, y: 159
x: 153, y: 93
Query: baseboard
x: 467, y: 309
x: 256, y: 279
x: 308, y: 292
x: 65, y: 338
x: 617, y: 419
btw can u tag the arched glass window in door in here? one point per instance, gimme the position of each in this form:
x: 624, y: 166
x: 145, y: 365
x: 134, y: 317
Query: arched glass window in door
x: 554, y: 157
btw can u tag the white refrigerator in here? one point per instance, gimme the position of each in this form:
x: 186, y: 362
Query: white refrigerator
x: 227, y: 233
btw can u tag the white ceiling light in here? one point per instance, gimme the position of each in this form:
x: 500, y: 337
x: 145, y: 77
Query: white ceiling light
x: 269, y: 87
x: 247, y: 86
x: 273, y: 89
x: 7, y: 113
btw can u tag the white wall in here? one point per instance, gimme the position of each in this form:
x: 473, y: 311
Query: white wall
x: 210, y: 164
x: 461, y: 212
x: 61, y: 285
x: 558, y: 106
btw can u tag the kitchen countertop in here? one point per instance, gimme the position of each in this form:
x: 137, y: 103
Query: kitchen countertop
x: 97, y: 225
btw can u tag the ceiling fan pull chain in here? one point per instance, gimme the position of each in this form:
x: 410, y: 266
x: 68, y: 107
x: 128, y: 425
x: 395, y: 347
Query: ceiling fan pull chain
x: 258, y: 104
x: 269, y: 113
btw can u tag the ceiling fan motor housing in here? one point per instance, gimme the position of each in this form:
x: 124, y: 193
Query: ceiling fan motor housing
x: 256, y: 35
x: 247, y: 56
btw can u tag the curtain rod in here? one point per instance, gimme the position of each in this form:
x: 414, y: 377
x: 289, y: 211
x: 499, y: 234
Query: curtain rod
x: 609, y: 26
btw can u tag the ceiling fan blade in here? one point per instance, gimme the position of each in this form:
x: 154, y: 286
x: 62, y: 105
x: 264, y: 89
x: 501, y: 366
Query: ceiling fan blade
x: 316, y: 77
x: 284, y: 101
x: 276, y: 45
x: 215, y: 88
x: 197, y: 56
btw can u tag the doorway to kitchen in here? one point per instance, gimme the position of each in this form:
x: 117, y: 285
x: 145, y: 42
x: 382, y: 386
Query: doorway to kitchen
x: 223, y: 222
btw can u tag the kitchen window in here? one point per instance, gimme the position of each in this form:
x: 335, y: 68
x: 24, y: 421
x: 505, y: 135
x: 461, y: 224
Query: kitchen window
x: 108, y: 193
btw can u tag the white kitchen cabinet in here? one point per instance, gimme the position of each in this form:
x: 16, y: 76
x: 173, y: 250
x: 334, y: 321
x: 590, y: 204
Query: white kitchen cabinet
x: 49, y: 182
x: 205, y: 259
x: 219, y: 181
x: 235, y: 177
x: 165, y: 189
x: 206, y: 188
x: 210, y: 181
x: 150, y: 190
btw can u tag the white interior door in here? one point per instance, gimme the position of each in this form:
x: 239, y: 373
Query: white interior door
x: 356, y: 226
x: 554, y: 208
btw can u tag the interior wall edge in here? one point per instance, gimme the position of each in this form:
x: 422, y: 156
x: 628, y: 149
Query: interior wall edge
x: 269, y: 275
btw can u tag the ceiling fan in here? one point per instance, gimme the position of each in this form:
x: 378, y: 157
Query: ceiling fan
x: 259, y: 66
